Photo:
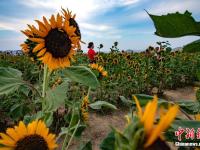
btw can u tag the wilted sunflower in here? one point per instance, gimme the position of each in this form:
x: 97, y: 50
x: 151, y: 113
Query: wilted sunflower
x: 153, y: 133
x: 56, y: 41
x: 31, y: 137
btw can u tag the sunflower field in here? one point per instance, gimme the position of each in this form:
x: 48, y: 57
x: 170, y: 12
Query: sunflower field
x: 48, y: 91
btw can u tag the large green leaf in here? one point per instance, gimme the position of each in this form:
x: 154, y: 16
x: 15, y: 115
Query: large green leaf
x: 176, y: 25
x: 192, y: 47
x: 55, y: 97
x: 144, y: 99
x: 81, y: 74
x: 109, y: 142
x: 191, y: 107
x: 10, y: 80
x: 101, y: 104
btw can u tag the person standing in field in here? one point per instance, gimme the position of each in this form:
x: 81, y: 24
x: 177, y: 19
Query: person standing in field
x: 91, y: 52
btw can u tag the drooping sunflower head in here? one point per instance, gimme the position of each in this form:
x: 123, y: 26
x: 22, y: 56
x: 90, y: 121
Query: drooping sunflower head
x: 31, y: 137
x: 69, y: 16
x: 153, y: 133
x: 56, y: 41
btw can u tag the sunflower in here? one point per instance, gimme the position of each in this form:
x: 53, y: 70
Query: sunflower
x: 68, y: 15
x: 153, y: 133
x: 99, y: 68
x: 31, y: 137
x: 25, y: 48
x: 84, y: 109
x: 104, y: 73
x: 115, y: 61
x: 56, y: 41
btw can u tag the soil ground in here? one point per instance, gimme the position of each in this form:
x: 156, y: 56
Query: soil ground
x: 99, y: 124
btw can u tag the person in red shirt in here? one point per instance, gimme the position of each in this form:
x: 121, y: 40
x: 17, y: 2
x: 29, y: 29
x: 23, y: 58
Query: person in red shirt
x: 91, y: 52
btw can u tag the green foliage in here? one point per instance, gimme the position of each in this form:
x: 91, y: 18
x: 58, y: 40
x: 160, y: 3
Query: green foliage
x: 176, y: 25
x: 130, y: 139
x: 189, y: 106
x: 108, y: 142
x: 144, y: 99
x: 192, y: 47
x: 56, y: 97
x: 86, y: 146
x: 10, y: 80
x: 102, y: 104
x: 81, y: 74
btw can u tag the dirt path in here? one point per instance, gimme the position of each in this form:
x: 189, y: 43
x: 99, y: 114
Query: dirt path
x: 187, y: 93
x: 99, y: 125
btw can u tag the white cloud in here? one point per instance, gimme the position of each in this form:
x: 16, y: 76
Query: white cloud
x: 169, y: 6
x: 95, y: 27
x: 84, y: 9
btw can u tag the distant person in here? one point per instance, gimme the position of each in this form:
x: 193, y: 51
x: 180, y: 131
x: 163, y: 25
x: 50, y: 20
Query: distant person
x: 91, y: 52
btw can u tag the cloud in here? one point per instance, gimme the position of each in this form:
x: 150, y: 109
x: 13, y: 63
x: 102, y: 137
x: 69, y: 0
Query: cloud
x: 95, y: 27
x: 164, y: 7
x: 84, y: 9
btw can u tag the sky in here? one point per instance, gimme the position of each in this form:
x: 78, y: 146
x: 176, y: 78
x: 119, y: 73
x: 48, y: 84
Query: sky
x: 100, y: 21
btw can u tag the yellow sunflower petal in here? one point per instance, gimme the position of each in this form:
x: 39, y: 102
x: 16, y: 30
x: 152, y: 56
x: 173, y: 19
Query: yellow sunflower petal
x: 39, y: 127
x: 43, y: 131
x: 149, y: 121
x: 53, y: 22
x: 38, y: 47
x: 48, y: 26
x: 66, y: 25
x: 38, y: 40
x: 11, y: 132
x: 6, y: 140
x: 41, y: 26
x: 139, y: 109
x: 162, y: 125
x: 38, y: 32
x: 59, y: 21
x: 6, y: 148
x: 31, y: 128
x: 74, y: 16
x: 42, y: 52
x: 28, y: 33
x: 21, y: 129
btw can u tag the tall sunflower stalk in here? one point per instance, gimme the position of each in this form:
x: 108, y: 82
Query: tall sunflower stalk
x: 53, y: 44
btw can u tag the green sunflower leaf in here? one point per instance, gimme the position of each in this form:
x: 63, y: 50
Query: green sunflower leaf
x: 192, y: 47
x: 176, y: 25
x: 10, y: 80
x: 82, y: 74
x: 101, y: 104
x: 109, y: 142
x: 144, y: 99
x: 56, y: 97
x: 86, y: 146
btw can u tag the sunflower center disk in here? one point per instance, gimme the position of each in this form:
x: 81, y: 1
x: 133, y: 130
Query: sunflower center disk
x: 57, y: 42
x: 32, y: 142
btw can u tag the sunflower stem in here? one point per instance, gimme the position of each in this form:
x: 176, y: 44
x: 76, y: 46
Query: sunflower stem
x: 66, y: 137
x: 44, y: 86
x: 70, y: 140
